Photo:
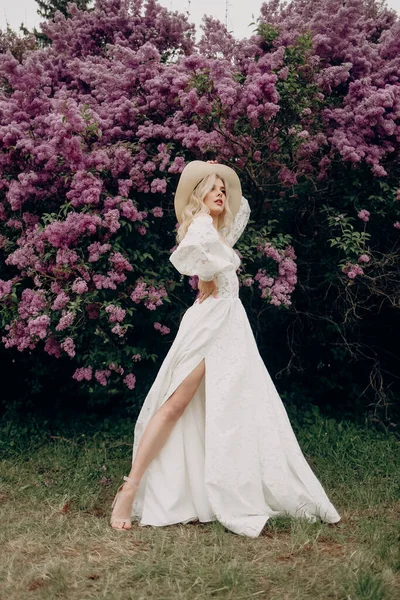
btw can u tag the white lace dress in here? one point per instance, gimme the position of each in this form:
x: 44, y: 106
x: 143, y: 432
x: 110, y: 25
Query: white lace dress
x: 232, y: 456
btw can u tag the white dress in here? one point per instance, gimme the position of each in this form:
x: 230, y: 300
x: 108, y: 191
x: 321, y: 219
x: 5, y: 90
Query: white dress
x: 232, y: 456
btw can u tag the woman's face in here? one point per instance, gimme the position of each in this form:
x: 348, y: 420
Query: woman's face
x: 216, y: 199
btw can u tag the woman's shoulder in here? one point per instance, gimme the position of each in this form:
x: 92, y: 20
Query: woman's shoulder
x: 202, y: 221
x: 202, y: 218
x: 205, y: 222
x: 202, y: 226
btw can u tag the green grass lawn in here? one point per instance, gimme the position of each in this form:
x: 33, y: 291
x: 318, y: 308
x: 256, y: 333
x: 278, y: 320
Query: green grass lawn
x: 55, y: 542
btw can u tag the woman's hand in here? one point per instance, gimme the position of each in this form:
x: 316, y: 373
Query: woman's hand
x: 206, y: 288
x: 213, y: 162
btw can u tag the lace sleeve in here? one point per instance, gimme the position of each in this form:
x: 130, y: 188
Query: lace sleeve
x: 239, y: 223
x: 201, y: 250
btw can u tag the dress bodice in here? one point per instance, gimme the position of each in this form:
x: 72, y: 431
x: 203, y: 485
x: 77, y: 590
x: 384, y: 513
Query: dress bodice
x: 203, y: 253
x: 227, y: 280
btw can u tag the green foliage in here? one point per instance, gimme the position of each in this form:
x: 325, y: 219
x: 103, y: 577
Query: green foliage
x: 268, y: 33
x: 48, y: 8
x: 351, y: 242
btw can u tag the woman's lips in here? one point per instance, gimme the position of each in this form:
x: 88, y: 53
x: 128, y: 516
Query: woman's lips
x: 218, y: 202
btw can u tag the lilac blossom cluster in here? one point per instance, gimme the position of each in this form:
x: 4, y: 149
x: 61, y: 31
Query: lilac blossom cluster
x: 279, y: 288
x: 102, y: 376
x: 163, y: 329
x: 353, y: 56
x: 352, y: 270
x: 150, y: 295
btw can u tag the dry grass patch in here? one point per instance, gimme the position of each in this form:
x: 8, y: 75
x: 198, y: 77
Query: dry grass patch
x: 55, y: 497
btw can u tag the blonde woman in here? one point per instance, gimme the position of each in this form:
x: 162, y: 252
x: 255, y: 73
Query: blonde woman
x: 213, y: 440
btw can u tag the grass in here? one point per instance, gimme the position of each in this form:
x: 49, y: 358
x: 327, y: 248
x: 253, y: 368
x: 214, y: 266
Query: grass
x: 55, y: 496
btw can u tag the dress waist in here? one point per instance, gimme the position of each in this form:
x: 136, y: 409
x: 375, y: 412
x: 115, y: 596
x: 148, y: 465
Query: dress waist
x: 227, y: 284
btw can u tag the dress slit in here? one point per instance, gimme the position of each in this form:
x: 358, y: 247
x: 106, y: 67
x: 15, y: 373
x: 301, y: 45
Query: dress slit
x: 182, y: 378
x: 173, y: 489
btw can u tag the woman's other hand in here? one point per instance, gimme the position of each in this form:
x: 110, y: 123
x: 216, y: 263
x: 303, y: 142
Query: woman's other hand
x: 206, y: 288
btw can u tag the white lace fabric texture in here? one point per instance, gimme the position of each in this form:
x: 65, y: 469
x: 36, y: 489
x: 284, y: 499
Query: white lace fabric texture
x: 232, y: 456
x: 239, y: 223
x: 201, y: 251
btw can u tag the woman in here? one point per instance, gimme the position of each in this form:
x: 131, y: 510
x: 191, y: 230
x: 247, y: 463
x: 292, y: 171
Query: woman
x: 213, y: 440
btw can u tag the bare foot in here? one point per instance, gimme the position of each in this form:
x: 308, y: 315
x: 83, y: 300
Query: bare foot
x: 122, y: 505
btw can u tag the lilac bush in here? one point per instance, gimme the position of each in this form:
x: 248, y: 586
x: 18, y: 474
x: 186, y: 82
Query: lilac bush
x: 16, y: 44
x: 96, y: 128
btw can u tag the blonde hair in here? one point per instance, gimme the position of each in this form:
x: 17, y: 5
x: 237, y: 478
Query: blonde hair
x: 196, y: 206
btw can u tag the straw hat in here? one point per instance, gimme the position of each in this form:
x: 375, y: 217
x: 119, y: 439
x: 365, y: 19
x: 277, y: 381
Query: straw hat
x: 194, y: 172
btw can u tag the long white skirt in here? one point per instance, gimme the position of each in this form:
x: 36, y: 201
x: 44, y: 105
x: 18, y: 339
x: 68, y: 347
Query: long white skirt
x: 232, y: 456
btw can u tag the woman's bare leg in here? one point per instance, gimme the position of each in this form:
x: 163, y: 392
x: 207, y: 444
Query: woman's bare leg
x: 153, y: 439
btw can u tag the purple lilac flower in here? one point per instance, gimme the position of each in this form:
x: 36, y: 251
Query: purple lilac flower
x: 83, y: 373
x: 68, y: 346
x: 130, y: 381
x: 364, y: 215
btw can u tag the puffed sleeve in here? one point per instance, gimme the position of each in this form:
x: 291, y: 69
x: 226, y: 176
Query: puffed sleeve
x: 201, y: 251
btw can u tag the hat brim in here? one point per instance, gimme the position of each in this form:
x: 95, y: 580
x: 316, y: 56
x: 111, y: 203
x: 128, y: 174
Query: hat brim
x: 194, y: 172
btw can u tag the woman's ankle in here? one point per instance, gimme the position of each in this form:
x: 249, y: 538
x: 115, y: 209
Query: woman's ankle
x: 133, y: 478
